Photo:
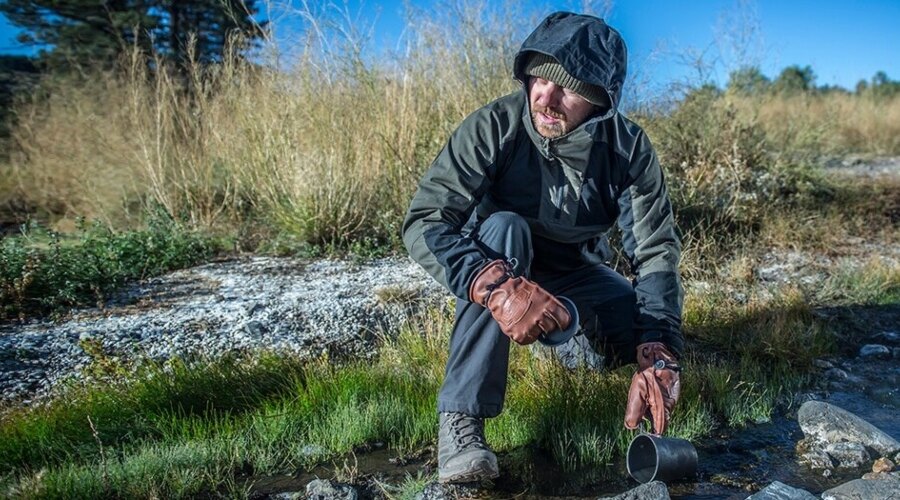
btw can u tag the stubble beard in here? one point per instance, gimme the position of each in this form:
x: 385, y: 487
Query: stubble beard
x: 551, y: 130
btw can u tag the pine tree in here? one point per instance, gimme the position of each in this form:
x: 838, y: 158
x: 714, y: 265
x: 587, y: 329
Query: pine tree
x: 76, y: 33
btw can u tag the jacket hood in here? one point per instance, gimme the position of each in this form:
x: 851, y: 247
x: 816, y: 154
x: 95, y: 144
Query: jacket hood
x: 588, y: 49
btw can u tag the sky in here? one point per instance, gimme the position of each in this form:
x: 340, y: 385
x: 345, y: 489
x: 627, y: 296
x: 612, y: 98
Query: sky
x: 842, y: 41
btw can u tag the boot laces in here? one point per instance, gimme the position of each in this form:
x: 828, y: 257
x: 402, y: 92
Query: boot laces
x: 467, y: 431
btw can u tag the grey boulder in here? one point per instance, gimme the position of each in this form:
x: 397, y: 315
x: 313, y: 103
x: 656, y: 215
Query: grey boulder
x: 825, y: 424
x: 321, y: 489
x: 655, y: 490
x: 866, y: 489
x: 780, y: 491
x: 848, y: 455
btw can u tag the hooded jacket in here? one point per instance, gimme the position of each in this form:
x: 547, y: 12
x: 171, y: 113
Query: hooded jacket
x: 570, y: 189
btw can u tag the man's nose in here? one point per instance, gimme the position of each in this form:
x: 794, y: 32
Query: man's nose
x: 550, y: 95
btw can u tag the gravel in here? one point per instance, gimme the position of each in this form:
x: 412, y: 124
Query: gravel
x: 300, y: 307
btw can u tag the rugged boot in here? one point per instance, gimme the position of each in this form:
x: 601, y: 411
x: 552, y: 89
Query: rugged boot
x: 463, y: 454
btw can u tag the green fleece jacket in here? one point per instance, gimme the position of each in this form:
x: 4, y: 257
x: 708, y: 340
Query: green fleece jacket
x: 570, y: 190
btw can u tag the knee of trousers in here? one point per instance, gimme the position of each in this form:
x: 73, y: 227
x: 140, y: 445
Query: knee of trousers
x: 508, y: 235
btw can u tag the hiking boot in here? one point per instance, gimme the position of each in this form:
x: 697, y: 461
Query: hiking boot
x: 463, y: 454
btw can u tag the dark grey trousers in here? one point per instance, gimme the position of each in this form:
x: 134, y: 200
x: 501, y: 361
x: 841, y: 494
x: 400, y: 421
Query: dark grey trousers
x: 475, y: 378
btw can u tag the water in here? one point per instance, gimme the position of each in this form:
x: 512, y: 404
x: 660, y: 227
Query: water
x: 733, y: 463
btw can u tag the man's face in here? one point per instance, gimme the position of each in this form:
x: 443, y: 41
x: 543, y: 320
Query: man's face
x: 556, y: 110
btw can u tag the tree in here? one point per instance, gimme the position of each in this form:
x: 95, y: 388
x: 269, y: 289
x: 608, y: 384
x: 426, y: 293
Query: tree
x: 96, y: 32
x: 81, y: 32
x: 795, y: 79
x: 748, y: 80
x: 202, y: 29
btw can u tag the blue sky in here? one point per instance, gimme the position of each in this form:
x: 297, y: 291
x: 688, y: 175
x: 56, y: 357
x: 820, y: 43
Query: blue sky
x: 843, y: 41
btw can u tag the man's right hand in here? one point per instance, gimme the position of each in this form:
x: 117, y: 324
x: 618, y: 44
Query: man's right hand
x: 521, y: 307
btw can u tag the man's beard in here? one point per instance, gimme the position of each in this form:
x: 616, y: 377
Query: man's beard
x: 549, y: 130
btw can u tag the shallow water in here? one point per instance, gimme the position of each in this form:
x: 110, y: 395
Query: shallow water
x: 733, y: 463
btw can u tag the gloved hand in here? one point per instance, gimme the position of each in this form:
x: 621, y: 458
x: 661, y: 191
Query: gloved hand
x: 654, y: 388
x: 521, y: 307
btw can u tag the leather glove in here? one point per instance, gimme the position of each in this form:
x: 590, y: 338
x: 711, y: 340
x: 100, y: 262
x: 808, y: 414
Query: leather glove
x: 521, y: 307
x: 654, y: 388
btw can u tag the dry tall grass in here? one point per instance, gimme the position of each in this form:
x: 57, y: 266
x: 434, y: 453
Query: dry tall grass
x: 330, y: 151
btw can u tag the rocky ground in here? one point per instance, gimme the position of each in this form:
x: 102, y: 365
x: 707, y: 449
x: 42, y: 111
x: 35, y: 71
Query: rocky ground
x: 249, y: 304
x: 313, y: 307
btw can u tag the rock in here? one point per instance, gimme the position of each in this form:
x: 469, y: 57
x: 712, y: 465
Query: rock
x: 878, y: 476
x: 822, y: 365
x: 817, y: 459
x: 836, y: 374
x: 865, y: 489
x: 848, y: 455
x: 826, y: 423
x: 322, y: 489
x: 437, y: 491
x: 887, y: 338
x: 875, y: 351
x: 655, y: 490
x: 883, y: 464
x: 780, y: 491
x: 288, y: 495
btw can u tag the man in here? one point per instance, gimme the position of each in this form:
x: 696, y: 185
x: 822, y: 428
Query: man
x: 514, y: 212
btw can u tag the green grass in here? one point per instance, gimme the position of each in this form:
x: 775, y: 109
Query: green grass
x: 180, y: 430
x: 44, y: 272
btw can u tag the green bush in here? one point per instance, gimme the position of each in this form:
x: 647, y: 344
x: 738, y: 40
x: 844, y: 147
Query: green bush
x: 43, y: 272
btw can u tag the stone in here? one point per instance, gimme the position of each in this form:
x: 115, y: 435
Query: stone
x: 836, y: 374
x: 822, y: 365
x: 655, y: 490
x: 848, y: 455
x: 817, y: 459
x: 322, y: 489
x: 780, y: 491
x: 288, y: 495
x: 883, y: 464
x: 878, y: 476
x: 826, y: 423
x: 437, y: 491
x: 865, y: 489
x: 887, y: 338
x: 875, y: 351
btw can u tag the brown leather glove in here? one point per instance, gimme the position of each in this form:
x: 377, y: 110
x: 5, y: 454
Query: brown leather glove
x: 523, y: 309
x: 654, y: 388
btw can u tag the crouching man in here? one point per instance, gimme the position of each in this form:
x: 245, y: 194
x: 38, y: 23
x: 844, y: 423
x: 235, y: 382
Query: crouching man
x: 514, y: 212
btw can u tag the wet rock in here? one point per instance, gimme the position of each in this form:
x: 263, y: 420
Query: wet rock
x: 848, y: 455
x: 288, y: 495
x: 865, y: 489
x: 883, y: 464
x: 822, y: 365
x: 817, y: 459
x: 322, y: 489
x: 837, y: 374
x: 437, y: 491
x: 892, y: 338
x: 655, y: 490
x: 875, y: 351
x: 780, y: 491
x: 825, y: 423
x: 878, y: 476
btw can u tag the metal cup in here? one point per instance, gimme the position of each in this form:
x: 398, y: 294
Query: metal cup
x: 655, y: 458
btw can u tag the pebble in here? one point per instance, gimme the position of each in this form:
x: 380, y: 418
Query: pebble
x: 883, y: 464
x: 876, y: 351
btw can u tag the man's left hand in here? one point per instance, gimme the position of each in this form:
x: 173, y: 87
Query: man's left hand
x: 655, y: 387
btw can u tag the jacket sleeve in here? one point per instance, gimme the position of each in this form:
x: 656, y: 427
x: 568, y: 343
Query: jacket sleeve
x: 653, y: 249
x: 447, y: 194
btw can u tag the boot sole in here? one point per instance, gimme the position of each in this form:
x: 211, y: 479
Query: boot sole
x: 479, y: 470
